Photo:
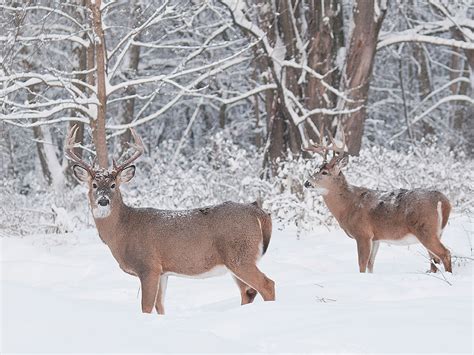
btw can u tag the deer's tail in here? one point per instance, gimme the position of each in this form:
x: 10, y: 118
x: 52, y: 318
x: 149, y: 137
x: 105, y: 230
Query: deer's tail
x: 266, y: 232
x: 265, y: 221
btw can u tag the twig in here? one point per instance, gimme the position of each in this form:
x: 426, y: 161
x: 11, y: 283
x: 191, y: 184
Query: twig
x: 325, y: 300
x: 437, y: 268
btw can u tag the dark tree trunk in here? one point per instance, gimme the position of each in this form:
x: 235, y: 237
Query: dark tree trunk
x: 81, y: 53
x: 326, y: 38
x: 128, y: 106
x: 359, y: 64
x: 39, y: 137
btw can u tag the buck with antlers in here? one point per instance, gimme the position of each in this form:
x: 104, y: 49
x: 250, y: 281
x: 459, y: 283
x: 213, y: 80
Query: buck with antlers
x: 153, y: 244
x: 370, y: 216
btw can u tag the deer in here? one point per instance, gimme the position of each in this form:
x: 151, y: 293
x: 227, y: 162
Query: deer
x: 153, y: 244
x: 370, y: 217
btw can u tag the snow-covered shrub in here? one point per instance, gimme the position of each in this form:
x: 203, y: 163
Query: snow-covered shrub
x: 222, y: 170
x: 218, y: 172
x: 425, y: 166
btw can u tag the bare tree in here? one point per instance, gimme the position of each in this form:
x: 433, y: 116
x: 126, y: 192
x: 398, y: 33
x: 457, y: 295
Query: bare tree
x: 112, y: 92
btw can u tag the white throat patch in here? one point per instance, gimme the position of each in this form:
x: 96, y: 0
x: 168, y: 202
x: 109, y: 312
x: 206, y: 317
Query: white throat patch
x: 321, y: 190
x: 101, y: 211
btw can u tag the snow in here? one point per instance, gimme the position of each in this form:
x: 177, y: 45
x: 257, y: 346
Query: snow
x: 66, y: 293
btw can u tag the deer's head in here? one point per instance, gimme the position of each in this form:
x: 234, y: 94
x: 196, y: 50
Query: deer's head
x: 328, y: 174
x: 104, y: 184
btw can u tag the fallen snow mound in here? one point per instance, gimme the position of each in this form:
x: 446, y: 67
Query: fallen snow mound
x: 66, y: 293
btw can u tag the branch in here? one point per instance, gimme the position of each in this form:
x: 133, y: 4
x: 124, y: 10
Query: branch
x: 178, y: 96
x: 44, y: 8
x: 186, y: 131
x: 129, y: 38
x: 34, y: 79
x: 442, y: 101
x: 19, y: 115
x: 287, y: 63
x: 234, y: 58
x: 411, y: 36
x: 52, y: 121
x: 48, y: 37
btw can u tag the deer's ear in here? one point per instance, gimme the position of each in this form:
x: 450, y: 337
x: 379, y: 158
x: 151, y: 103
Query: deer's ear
x: 341, y: 162
x: 80, y: 173
x: 127, y: 174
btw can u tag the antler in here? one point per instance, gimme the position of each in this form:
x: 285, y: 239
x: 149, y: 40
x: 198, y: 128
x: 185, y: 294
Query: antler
x: 319, y: 148
x: 69, y: 149
x: 322, y: 148
x: 139, y: 149
x: 334, y: 147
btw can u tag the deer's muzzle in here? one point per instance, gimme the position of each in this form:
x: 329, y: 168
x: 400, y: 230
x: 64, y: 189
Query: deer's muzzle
x: 103, y: 201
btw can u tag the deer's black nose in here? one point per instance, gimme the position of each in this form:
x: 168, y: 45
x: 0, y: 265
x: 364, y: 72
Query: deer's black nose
x: 103, y: 201
x: 307, y: 184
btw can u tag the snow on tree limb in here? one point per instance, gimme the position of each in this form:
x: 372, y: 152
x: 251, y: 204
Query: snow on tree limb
x: 410, y: 36
x: 43, y: 8
x: 48, y: 37
x: 49, y: 121
x: 233, y: 59
x: 35, y: 78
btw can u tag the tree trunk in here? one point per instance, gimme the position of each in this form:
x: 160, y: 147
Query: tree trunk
x: 81, y: 54
x: 50, y: 166
x: 98, y: 124
x: 326, y: 38
x: 359, y: 64
x: 128, y: 105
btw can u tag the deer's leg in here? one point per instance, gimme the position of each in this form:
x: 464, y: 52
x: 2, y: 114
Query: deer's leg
x: 160, y: 298
x: 364, y: 246
x: 438, y: 251
x: 149, y: 283
x: 434, y: 260
x: 247, y: 293
x: 373, y: 254
x: 252, y: 276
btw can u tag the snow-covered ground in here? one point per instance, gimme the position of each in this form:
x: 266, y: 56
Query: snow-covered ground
x: 65, y: 293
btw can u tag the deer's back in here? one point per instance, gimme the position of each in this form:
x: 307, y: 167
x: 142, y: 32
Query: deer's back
x: 209, y: 235
x: 398, y: 213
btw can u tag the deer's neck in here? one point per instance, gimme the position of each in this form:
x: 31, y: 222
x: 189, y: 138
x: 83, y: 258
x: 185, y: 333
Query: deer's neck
x: 108, y: 225
x: 340, y: 199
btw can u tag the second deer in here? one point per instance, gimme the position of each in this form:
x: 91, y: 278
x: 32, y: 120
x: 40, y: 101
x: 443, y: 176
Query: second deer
x: 400, y: 217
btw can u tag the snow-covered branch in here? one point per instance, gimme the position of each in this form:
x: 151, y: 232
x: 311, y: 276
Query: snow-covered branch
x: 48, y: 38
x: 45, y: 122
x: 44, y: 8
x: 444, y: 100
x: 411, y: 36
x: 46, y: 79
x: 44, y: 114
x: 234, y: 59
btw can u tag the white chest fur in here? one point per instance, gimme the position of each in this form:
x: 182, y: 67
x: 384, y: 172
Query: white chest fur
x: 218, y: 270
x: 408, y: 239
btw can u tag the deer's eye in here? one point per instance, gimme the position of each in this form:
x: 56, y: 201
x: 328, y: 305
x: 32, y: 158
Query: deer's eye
x: 324, y: 172
x: 94, y: 185
x: 112, y: 186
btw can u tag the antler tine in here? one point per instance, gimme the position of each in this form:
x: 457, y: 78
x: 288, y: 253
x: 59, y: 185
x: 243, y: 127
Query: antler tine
x: 319, y: 148
x: 139, y: 149
x: 69, y: 148
x: 334, y: 147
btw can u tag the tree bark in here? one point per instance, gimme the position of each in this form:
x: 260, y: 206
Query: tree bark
x: 128, y: 106
x: 359, y: 64
x: 98, y: 124
x: 325, y: 27
x: 81, y: 55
